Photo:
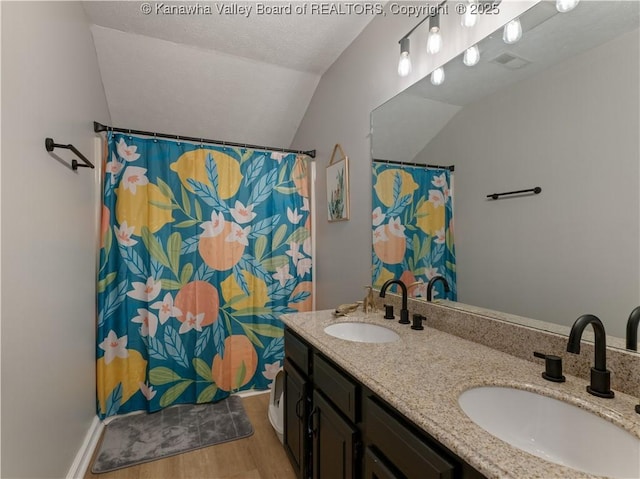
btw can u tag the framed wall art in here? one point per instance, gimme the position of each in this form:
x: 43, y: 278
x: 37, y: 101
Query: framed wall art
x: 338, y: 186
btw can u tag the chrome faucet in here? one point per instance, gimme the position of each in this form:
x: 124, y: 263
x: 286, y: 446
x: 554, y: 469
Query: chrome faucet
x: 600, y: 376
x: 632, y: 329
x: 404, y: 312
x: 432, y: 282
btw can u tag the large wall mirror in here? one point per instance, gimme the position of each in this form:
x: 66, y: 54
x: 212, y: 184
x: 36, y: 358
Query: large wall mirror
x: 558, y: 110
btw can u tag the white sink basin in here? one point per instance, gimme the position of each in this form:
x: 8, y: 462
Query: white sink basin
x: 361, y: 332
x: 554, y: 430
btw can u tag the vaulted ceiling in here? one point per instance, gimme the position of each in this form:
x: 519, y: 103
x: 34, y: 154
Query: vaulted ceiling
x: 235, y: 75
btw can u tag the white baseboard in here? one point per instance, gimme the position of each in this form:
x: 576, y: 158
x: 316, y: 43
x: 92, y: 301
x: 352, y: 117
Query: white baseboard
x: 83, y: 457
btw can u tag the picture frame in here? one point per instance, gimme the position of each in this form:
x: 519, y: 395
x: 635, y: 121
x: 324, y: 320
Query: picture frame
x: 338, y: 186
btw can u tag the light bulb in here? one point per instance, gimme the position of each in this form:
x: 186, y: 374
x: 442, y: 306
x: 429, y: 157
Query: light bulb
x: 437, y: 76
x: 471, y: 56
x: 469, y: 17
x: 434, y: 42
x: 564, y: 6
x: 512, y: 31
x: 404, y: 65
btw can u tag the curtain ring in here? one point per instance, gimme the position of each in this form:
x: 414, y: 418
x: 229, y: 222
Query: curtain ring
x: 178, y: 140
x: 130, y: 134
x: 155, y: 138
x: 201, y: 143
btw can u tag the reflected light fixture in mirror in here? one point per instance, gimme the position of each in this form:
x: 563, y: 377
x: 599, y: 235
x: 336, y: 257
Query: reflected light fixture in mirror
x: 512, y: 31
x: 437, y: 76
x: 404, y: 64
x: 564, y: 6
x: 471, y: 56
x: 434, y: 41
x: 469, y: 18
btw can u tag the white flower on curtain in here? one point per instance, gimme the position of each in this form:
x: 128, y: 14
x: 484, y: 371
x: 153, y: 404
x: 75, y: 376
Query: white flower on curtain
x: 123, y: 234
x: 166, y: 308
x: 133, y: 177
x: 114, y: 347
x: 214, y: 227
x: 145, y: 291
x: 241, y: 213
x: 148, y: 322
x: 127, y: 152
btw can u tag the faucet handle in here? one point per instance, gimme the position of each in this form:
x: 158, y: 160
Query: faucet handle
x: 388, y: 311
x: 417, y: 322
x: 552, y: 366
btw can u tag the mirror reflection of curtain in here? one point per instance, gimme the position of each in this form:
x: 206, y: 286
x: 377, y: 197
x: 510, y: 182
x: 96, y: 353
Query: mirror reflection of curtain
x: 202, y: 249
x: 412, y: 224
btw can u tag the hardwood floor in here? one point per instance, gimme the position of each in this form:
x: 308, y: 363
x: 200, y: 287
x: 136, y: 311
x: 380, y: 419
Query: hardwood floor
x: 259, y: 456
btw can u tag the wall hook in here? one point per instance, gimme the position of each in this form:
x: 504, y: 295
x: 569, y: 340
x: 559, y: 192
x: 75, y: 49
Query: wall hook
x: 49, y: 145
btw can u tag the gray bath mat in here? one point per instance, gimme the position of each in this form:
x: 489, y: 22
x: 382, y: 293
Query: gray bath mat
x: 142, y: 438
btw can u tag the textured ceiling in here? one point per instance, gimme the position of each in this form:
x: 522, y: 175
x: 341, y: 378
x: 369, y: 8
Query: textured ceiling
x: 243, y: 78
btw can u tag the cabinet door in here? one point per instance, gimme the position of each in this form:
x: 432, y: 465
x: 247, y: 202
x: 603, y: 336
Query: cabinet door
x: 334, y: 442
x: 375, y: 468
x: 296, y: 437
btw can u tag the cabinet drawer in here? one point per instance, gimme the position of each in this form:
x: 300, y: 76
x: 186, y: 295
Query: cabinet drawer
x: 335, y: 385
x: 297, y: 351
x: 401, y: 447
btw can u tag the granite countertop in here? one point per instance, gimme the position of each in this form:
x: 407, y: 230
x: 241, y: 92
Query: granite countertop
x: 423, y: 373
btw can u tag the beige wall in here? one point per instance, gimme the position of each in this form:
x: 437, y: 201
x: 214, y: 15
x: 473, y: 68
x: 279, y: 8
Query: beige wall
x: 362, y: 78
x: 572, y: 130
x: 51, y: 87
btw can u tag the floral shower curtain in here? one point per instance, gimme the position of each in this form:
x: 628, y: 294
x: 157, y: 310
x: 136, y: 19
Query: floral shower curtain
x: 413, y: 227
x: 202, y: 249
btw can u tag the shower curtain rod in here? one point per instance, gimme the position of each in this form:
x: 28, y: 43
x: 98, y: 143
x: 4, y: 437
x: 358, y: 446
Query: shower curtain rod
x: 405, y: 163
x: 98, y: 127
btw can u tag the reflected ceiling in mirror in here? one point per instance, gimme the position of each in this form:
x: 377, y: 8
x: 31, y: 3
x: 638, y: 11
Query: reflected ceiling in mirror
x: 559, y: 109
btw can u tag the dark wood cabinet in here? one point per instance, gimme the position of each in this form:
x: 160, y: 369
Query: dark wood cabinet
x: 330, y: 416
x: 296, y: 414
x: 334, y: 442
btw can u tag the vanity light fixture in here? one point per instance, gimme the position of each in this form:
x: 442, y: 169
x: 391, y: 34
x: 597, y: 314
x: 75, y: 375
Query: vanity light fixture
x: 471, y: 56
x: 512, y: 31
x: 404, y: 65
x: 437, y: 76
x: 469, y: 18
x: 564, y: 6
x: 434, y: 41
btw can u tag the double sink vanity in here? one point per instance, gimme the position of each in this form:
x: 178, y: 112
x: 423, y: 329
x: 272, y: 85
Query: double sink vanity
x: 464, y: 397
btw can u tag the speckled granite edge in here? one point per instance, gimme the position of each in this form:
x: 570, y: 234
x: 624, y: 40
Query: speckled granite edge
x: 423, y: 373
x: 520, y: 340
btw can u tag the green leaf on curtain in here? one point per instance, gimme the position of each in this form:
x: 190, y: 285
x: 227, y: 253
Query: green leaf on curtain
x: 163, y: 206
x: 154, y: 247
x: 114, y: 400
x: 252, y: 312
x: 278, y: 237
x: 198, y: 209
x: 186, y: 224
x: 416, y: 249
x: 251, y: 335
x: 207, y: 394
x: 174, y: 243
x: 133, y: 261
x: 283, y: 172
x: 286, y: 190
x: 212, y: 171
x: 266, y: 330
x: 240, y: 375
x: 186, y: 204
x: 450, y: 266
x: 161, y: 375
x: 174, y: 392
x: 270, y: 264
x: 203, y: 341
x: 108, y: 241
x: 170, y: 284
x: 175, y: 348
x: 299, y: 235
x: 260, y: 247
x: 165, y: 189
x: 253, y: 170
x: 218, y: 335
x: 203, y: 370
x: 103, y: 283
x: 239, y: 277
x: 187, y: 271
